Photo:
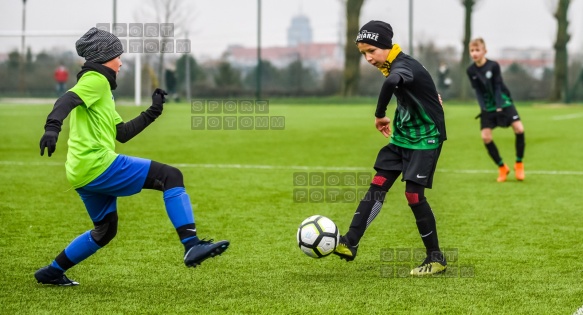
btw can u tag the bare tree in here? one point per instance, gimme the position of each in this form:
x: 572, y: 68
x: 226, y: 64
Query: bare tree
x: 351, y: 54
x: 469, y: 8
x: 178, y: 13
x: 560, y: 90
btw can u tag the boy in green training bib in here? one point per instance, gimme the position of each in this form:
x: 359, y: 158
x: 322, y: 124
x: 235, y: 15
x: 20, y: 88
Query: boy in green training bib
x: 98, y: 173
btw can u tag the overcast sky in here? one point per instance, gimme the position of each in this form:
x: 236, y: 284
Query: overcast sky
x: 214, y: 24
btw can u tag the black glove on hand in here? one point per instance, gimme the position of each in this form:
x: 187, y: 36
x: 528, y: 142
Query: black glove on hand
x: 158, y: 101
x: 49, y: 141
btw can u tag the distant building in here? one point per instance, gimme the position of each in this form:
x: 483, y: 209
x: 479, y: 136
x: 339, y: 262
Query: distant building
x: 533, y: 60
x: 321, y: 57
x: 300, y: 31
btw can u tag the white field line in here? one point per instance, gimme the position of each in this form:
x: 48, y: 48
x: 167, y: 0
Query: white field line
x: 569, y: 116
x: 303, y: 168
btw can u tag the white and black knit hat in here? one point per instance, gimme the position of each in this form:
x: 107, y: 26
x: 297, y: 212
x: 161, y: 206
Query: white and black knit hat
x: 98, y: 46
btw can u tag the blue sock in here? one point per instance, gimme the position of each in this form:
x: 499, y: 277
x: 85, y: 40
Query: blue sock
x: 80, y: 248
x: 178, y: 207
x: 190, y: 240
x: 55, y: 265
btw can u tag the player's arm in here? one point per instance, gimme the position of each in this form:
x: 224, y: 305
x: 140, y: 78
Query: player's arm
x: 383, y: 123
x: 481, y: 100
x: 387, y: 90
x: 62, y: 108
x: 128, y: 130
x: 477, y: 90
x: 497, y: 82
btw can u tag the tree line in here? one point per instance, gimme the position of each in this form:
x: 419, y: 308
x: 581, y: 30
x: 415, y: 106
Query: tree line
x: 559, y: 87
x: 222, y: 79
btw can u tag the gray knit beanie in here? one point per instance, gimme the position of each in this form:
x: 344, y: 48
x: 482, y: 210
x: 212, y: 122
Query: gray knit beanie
x: 98, y: 46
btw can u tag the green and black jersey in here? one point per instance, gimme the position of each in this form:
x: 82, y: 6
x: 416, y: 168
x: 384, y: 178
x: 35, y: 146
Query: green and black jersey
x: 491, y: 91
x: 419, y: 121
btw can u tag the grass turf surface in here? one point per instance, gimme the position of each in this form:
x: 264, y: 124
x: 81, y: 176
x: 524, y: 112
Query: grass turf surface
x: 518, y: 243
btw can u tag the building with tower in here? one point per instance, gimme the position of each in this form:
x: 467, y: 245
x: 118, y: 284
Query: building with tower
x: 300, y: 31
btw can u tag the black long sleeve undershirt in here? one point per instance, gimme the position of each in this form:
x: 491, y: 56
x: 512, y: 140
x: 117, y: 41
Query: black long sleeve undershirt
x: 387, y: 91
x: 63, y: 107
x: 128, y: 130
x: 125, y: 131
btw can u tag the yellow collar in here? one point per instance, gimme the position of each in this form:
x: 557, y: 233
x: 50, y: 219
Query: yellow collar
x: 386, y: 67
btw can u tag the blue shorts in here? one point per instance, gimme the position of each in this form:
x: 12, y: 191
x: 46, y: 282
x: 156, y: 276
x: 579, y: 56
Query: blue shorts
x: 124, y: 177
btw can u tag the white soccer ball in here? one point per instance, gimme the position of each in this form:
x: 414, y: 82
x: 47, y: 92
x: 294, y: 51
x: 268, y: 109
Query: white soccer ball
x: 318, y: 236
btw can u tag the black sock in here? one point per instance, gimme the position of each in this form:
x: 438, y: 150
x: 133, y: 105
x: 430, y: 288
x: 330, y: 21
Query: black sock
x: 493, y: 151
x: 367, y: 210
x: 187, y: 235
x: 426, y: 225
x: 520, y: 144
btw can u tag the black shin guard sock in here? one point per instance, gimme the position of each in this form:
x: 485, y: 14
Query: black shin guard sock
x: 520, y: 144
x: 493, y: 152
x: 367, y: 210
x: 426, y: 225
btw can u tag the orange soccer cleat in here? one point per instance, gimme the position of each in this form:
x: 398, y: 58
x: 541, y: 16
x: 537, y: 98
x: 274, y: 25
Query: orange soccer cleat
x: 503, y: 171
x: 519, y: 170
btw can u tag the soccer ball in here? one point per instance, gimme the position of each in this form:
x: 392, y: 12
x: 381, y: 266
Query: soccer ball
x: 318, y: 236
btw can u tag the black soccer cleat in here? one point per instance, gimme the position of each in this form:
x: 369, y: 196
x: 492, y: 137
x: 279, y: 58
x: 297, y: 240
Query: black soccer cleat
x: 345, y: 250
x: 54, y: 276
x: 203, y: 250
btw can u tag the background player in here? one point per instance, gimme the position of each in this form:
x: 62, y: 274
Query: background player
x: 497, y: 108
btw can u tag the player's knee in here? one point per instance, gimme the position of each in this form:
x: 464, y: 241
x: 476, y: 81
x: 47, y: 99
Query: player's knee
x: 486, y: 135
x: 378, y: 188
x: 412, y: 198
x: 381, y: 181
x: 105, y: 230
x: 414, y: 193
x: 174, y: 177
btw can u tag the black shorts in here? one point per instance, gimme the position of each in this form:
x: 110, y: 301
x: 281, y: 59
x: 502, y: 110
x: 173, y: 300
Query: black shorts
x: 503, y: 119
x: 417, y: 166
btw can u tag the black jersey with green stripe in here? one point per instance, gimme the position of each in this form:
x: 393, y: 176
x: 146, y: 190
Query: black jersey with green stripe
x: 491, y: 91
x: 419, y: 121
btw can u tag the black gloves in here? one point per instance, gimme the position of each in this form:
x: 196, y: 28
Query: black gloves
x: 158, y: 101
x: 49, y: 141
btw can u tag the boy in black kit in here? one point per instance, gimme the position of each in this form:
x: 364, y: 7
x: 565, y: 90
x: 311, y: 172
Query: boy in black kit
x: 417, y: 136
x: 497, y: 107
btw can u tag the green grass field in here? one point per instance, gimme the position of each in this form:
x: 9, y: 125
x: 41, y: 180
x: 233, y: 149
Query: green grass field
x: 518, y: 244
